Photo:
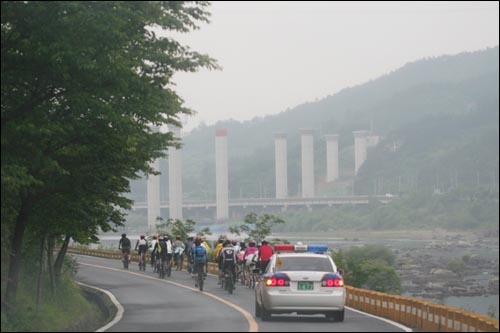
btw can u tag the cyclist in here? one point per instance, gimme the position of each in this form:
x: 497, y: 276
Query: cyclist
x: 189, y: 254
x: 178, y: 253
x: 125, y: 246
x: 250, y: 257
x: 218, y: 248
x: 170, y: 251
x: 265, y: 253
x: 161, y: 252
x: 207, y: 247
x: 236, y: 246
x: 142, y: 245
x: 241, y: 261
x: 199, y: 258
x: 227, y: 259
x: 152, y: 246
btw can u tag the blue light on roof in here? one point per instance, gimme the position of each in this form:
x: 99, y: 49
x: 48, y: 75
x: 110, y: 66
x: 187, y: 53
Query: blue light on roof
x: 317, y: 248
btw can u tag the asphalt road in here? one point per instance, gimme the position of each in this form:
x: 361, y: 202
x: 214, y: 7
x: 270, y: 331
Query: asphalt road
x: 173, y: 304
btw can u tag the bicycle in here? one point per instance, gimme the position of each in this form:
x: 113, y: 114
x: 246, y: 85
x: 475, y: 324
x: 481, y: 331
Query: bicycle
x: 254, y: 276
x: 142, y: 262
x: 169, y: 267
x: 221, y: 277
x: 126, y: 258
x: 240, y: 274
x: 190, y: 265
x: 228, y: 281
x: 154, y: 265
x: 161, y: 269
x: 198, y: 268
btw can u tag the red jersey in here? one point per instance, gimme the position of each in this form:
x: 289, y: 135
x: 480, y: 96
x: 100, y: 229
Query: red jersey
x: 265, y: 252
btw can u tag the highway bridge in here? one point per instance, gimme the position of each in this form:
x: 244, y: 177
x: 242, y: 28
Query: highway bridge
x: 283, y: 203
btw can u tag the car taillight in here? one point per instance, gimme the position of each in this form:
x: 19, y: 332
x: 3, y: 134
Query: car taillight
x: 277, y: 282
x: 335, y: 282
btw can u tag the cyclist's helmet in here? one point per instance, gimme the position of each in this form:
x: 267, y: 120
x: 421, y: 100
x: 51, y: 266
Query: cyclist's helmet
x: 227, y: 242
x: 142, y: 236
x: 251, y: 243
x: 198, y: 240
x: 124, y: 235
x: 264, y: 242
x: 234, y: 242
x: 155, y: 236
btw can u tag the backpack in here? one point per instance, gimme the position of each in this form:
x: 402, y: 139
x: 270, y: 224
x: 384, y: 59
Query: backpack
x: 199, y: 254
x: 126, y: 243
x: 162, y: 246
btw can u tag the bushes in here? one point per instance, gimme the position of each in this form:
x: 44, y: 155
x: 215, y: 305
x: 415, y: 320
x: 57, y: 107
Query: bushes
x: 369, y: 267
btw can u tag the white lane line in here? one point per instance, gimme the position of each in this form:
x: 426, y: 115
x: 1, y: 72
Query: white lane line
x: 401, y: 326
x: 252, y: 324
x: 119, y: 313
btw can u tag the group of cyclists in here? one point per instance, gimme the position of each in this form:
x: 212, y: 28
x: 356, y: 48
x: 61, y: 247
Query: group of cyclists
x: 233, y: 257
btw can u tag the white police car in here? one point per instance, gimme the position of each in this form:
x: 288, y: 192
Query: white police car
x: 301, y: 279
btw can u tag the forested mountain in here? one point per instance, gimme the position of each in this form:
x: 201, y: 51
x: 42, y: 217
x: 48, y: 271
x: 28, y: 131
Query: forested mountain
x: 437, y: 117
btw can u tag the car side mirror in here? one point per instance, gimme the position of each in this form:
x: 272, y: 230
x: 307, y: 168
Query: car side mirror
x: 341, y: 272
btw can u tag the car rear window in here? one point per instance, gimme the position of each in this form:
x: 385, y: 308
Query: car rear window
x: 303, y: 264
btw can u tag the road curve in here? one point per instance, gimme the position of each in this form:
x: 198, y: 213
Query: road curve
x: 172, y: 304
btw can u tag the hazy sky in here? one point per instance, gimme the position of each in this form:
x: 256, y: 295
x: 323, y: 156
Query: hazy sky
x: 276, y: 55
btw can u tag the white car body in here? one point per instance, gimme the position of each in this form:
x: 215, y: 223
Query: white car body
x: 304, y: 270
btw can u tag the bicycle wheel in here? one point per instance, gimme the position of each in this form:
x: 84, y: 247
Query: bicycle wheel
x: 162, y: 271
x: 229, y: 283
x: 200, y: 280
x: 242, y: 276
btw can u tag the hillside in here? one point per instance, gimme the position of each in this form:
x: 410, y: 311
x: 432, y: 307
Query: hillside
x: 441, y: 112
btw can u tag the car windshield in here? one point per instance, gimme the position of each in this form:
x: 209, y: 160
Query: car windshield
x: 303, y: 264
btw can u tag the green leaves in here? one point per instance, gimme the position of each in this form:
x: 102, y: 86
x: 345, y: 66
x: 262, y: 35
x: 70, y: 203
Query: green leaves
x: 82, y: 82
x: 258, y: 227
x: 182, y: 229
x: 369, y: 267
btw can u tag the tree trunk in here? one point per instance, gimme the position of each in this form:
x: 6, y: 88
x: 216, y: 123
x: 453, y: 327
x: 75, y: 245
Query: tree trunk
x: 40, y: 272
x: 16, y: 252
x: 50, y: 262
x: 60, y: 256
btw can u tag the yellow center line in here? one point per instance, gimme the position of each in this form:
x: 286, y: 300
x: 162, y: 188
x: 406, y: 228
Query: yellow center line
x: 252, y: 324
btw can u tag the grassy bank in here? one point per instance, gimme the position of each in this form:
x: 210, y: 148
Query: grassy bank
x: 64, y: 309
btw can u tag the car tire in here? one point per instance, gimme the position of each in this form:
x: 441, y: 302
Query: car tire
x: 339, y: 315
x: 330, y: 316
x: 258, y: 309
x: 264, y: 314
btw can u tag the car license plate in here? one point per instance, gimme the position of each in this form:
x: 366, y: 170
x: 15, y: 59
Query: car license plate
x: 305, y: 285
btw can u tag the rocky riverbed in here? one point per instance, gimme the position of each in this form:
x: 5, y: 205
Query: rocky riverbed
x: 462, y: 264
